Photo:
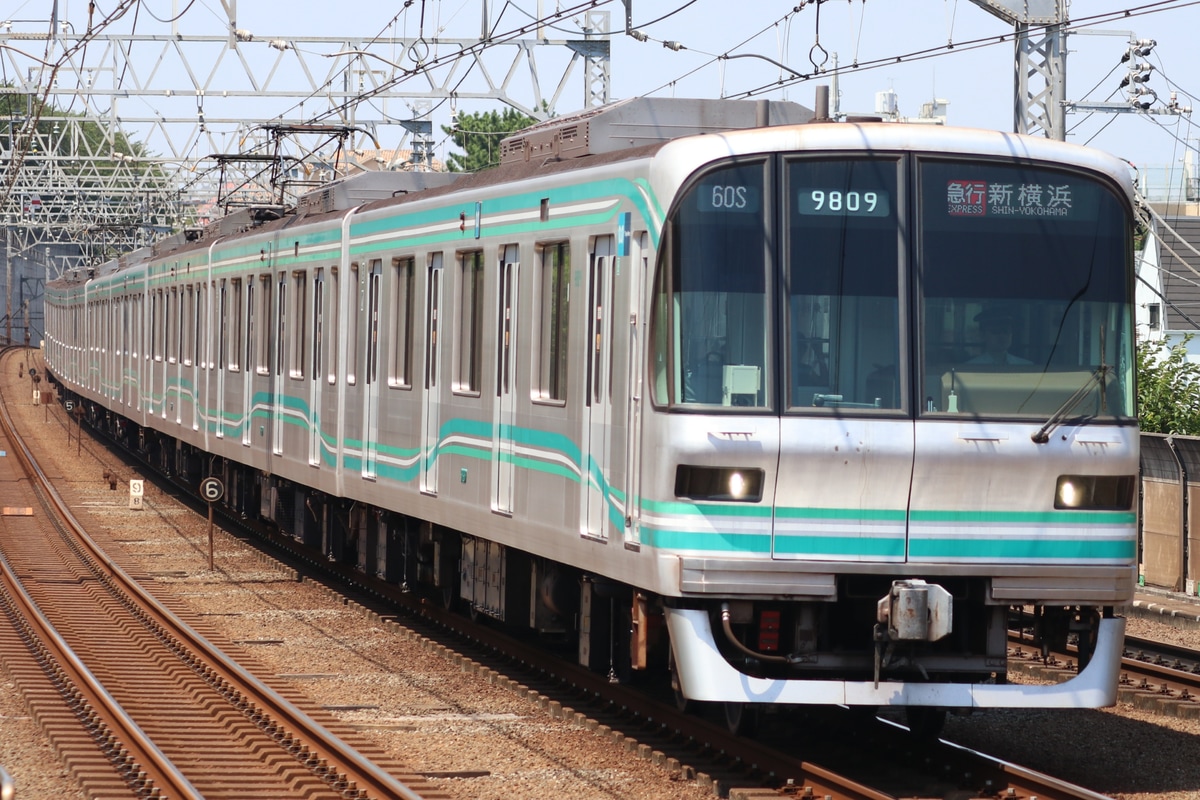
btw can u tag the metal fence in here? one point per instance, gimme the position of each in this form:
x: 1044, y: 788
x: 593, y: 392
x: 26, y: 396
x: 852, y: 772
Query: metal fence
x: 1170, y: 512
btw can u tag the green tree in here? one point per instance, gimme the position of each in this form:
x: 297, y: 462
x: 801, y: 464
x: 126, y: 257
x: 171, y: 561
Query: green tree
x: 478, y: 136
x: 1168, y: 389
x: 67, y: 132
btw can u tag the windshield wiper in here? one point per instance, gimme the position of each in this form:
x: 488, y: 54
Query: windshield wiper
x: 1100, y: 376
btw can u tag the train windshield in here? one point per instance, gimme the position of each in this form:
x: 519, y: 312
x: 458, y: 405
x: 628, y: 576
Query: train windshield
x: 715, y: 293
x: 841, y: 279
x: 1020, y: 275
x: 1025, y: 292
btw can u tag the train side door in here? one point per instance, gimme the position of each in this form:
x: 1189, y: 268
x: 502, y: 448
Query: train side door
x: 317, y: 378
x: 123, y: 303
x: 371, y: 373
x: 279, y: 368
x: 598, y: 405
x: 220, y: 336
x: 430, y: 402
x: 250, y: 368
x: 505, y: 413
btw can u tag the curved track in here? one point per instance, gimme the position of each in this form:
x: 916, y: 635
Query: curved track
x: 141, y: 703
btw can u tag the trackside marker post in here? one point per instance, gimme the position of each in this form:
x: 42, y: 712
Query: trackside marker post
x: 212, y: 490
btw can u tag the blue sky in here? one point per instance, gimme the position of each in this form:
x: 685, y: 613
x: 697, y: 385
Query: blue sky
x: 976, y: 80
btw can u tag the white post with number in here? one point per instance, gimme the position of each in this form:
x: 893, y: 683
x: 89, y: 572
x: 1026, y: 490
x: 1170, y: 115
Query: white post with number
x: 136, y: 492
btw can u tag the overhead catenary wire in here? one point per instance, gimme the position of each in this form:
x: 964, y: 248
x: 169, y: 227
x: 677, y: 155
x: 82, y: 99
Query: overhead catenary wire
x: 169, y: 20
x: 1147, y: 213
x: 952, y: 47
x: 1173, y: 306
x: 665, y: 16
x: 437, y: 61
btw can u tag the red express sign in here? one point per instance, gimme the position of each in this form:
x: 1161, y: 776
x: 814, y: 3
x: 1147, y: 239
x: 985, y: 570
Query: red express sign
x: 965, y: 198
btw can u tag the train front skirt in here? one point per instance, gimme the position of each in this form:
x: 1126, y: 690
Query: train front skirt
x: 705, y: 675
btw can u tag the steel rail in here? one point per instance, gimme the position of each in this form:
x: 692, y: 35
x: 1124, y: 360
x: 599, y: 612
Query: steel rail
x: 326, y: 747
x: 143, y: 755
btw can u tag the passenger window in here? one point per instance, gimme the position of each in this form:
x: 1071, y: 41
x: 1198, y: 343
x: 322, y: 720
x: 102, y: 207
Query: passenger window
x: 403, y: 279
x: 469, y: 348
x: 554, y: 294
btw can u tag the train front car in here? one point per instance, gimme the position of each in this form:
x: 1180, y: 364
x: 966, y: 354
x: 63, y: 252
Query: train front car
x: 892, y: 371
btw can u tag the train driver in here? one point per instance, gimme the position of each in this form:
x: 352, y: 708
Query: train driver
x: 997, y: 330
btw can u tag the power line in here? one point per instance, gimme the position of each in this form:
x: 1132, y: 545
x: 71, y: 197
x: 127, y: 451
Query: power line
x: 665, y: 16
x: 800, y: 76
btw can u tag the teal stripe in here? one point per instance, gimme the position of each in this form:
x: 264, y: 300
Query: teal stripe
x: 1028, y: 517
x: 635, y: 192
x: 715, y: 542
x: 853, y: 514
x: 846, y: 546
x: 1084, y: 550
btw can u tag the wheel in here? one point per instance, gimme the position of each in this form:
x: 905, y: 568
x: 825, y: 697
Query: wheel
x: 741, y: 718
x: 925, y: 722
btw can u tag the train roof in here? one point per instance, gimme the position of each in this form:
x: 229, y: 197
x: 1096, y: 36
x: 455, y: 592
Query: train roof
x: 629, y: 130
x: 639, y: 121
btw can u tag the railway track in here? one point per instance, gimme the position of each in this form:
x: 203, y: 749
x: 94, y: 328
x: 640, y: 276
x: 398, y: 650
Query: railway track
x: 1155, y: 676
x: 700, y: 749
x: 143, y: 704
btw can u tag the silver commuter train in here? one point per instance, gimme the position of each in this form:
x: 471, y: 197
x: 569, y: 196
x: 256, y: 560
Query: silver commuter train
x: 792, y: 413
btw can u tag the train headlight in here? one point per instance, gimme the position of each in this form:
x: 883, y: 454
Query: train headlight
x: 736, y: 484
x: 1095, y: 492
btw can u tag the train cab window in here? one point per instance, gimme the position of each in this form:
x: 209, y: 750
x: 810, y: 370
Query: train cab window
x: 711, y: 313
x: 841, y: 284
x: 554, y: 294
x: 1023, y: 286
